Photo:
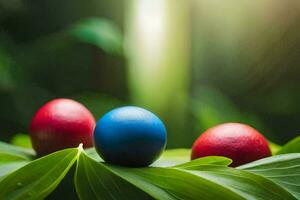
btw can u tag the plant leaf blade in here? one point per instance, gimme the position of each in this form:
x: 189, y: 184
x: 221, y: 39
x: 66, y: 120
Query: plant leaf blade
x: 246, y: 184
x: 38, y: 178
x: 93, y: 180
x: 21, y: 151
x: 292, y: 146
x: 172, y: 183
x: 173, y: 157
x: 101, y: 33
x: 209, y: 160
x: 282, y: 169
x: 10, y: 162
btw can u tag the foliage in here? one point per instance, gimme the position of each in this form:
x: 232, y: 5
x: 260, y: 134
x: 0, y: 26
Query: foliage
x: 282, y: 169
x: 173, y: 176
x: 21, y: 140
x: 64, y: 63
x: 291, y: 147
x: 56, y: 55
x: 101, y: 33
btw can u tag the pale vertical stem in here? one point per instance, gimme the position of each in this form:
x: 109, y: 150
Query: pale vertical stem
x: 157, y: 45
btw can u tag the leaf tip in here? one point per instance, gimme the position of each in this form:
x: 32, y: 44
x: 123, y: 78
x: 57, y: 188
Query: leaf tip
x: 80, y: 147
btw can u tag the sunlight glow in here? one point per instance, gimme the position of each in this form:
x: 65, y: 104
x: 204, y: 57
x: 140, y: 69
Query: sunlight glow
x: 151, y: 25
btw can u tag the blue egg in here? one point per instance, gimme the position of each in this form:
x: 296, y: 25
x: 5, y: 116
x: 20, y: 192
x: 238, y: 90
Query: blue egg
x: 130, y: 136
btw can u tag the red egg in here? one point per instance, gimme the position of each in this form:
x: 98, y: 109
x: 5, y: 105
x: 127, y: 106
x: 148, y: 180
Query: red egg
x: 239, y: 142
x: 60, y: 124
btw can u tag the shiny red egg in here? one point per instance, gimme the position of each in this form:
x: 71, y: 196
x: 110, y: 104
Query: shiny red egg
x: 239, y: 142
x: 60, y: 124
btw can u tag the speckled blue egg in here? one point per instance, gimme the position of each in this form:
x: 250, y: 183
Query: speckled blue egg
x: 130, y: 136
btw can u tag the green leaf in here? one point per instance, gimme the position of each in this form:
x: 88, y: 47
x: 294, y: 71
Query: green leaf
x: 292, y: 146
x: 173, y: 157
x: 21, y: 140
x: 243, y: 183
x: 276, y: 177
x: 274, y: 147
x: 96, y: 180
x: 9, y: 163
x: 168, y: 158
x: 101, y: 33
x: 6, y: 158
x: 11, y: 149
x: 209, y: 160
x: 172, y: 183
x: 160, y: 182
x: 38, y: 178
x: 282, y: 169
x: 93, y: 180
x: 92, y: 153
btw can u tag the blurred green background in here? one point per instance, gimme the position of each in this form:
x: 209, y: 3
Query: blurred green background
x: 194, y: 63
